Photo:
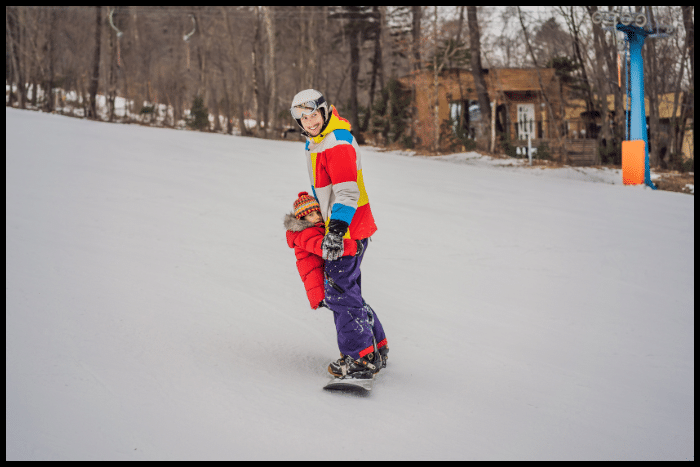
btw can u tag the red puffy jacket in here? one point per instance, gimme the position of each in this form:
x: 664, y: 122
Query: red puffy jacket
x: 306, y: 239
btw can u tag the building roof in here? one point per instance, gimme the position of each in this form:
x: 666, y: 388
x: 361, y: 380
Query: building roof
x: 519, y: 79
x: 497, y: 79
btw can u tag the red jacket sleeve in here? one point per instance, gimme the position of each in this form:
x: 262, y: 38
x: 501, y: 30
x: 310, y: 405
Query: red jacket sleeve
x: 311, y: 239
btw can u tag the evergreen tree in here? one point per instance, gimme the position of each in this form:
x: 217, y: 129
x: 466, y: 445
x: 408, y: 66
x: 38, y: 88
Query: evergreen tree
x: 199, y: 115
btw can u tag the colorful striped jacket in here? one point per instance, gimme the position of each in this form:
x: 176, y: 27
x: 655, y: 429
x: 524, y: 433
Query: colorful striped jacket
x: 335, y: 171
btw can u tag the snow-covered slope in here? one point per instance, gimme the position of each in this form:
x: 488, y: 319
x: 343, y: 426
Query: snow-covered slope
x: 154, y: 310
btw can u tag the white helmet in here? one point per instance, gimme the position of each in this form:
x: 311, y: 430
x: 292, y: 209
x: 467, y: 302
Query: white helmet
x: 307, y: 102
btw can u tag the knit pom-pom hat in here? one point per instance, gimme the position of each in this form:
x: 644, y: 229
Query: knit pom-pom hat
x: 305, y: 204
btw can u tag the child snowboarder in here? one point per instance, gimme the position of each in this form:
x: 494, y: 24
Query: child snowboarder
x: 305, y: 232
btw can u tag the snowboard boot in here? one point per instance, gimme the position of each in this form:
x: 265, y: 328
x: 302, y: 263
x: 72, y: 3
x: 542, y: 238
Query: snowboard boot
x: 384, y: 354
x: 364, y: 368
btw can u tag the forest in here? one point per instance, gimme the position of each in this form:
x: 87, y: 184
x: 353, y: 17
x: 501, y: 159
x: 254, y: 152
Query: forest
x: 235, y: 69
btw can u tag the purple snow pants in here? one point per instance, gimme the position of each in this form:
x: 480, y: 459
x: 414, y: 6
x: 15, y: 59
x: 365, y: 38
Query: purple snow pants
x: 355, y: 321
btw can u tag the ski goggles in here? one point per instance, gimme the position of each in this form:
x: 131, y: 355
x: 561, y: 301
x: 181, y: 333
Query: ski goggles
x: 307, y: 108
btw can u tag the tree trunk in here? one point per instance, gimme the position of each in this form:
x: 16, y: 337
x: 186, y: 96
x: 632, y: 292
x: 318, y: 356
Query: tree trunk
x: 50, y: 50
x: 652, y: 92
x: 601, y: 79
x: 689, y: 24
x: 354, y: 74
x: 575, y: 31
x: 95, y: 79
x: 415, y: 31
x: 256, y: 84
x: 478, y: 74
x: 376, y: 65
x: 272, y: 103
x: 436, y: 87
x: 465, y: 109
x: 228, y: 110
x: 238, y: 101
x: 112, y: 77
x: 688, y: 107
x: 203, y: 52
x: 416, y: 63
x: 13, y: 22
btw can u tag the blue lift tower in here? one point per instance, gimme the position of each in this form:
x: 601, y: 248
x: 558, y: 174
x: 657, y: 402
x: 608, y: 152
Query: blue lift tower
x: 636, y: 27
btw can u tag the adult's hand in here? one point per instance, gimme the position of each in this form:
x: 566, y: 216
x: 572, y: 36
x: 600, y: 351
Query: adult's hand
x: 332, y: 245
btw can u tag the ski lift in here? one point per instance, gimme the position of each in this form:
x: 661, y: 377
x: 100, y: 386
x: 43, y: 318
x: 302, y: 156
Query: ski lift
x: 635, y: 148
x: 609, y: 18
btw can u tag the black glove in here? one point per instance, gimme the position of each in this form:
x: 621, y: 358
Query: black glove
x: 332, y: 245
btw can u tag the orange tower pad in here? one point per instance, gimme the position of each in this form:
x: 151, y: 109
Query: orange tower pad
x: 633, y: 155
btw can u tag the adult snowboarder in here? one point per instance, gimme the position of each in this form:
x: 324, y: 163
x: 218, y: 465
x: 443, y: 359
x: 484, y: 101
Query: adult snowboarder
x: 335, y: 172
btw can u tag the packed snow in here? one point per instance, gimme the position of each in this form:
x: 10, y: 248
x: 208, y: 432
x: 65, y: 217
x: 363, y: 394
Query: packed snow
x: 154, y: 310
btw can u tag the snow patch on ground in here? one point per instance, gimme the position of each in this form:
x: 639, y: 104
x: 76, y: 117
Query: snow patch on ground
x: 154, y: 310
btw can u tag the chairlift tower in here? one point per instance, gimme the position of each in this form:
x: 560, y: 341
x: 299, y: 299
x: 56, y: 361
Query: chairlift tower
x: 635, y: 151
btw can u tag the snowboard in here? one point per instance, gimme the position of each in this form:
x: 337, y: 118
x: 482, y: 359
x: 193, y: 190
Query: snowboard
x: 351, y: 385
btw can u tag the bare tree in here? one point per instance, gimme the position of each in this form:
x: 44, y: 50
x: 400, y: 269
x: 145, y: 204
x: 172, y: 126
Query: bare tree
x: 415, y: 31
x: 436, y: 85
x: 651, y: 90
x: 354, y: 30
x: 687, y: 108
x: 256, y: 80
x: 51, y: 58
x: 272, y: 103
x: 574, y: 24
x: 478, y: 72
x: 95, y: 78
x: 311, y: 45
x: 377, y: 63
x: 13, y: 35
x: 238, y: 73
x: 603, y: 66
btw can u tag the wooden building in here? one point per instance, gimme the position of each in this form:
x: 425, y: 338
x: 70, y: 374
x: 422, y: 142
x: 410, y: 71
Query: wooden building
x: 577, y: 127
x: 515, y: 93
